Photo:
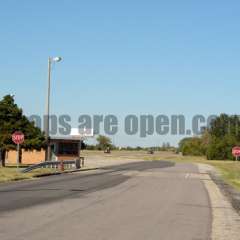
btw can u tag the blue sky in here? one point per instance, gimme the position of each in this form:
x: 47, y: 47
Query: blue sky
x: 120, y: 57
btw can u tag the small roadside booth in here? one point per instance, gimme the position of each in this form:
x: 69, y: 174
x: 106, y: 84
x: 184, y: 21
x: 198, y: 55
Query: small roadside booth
x: 69, y: 147
x: 65, y: 148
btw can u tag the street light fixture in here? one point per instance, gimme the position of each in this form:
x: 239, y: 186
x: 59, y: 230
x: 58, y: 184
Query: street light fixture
x: 50, y: 61
x: 56, y: 59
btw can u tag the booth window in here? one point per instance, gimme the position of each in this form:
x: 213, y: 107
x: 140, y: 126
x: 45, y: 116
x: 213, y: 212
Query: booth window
x: 68, y: 148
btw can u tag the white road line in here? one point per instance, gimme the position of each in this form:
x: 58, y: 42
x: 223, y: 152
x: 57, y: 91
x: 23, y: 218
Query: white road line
x: 187, y: 175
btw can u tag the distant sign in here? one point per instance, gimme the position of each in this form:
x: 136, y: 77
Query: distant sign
x: 81, y: 132
x: 236, y: 151
x: 18, y: 137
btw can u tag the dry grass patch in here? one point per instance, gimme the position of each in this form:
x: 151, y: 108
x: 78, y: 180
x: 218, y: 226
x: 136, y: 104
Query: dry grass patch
x: 13, y: 174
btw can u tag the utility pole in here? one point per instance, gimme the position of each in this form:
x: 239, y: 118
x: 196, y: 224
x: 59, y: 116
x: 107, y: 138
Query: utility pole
x: 48, y: 148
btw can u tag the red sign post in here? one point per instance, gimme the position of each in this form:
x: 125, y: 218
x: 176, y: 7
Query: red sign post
x: 18, y: 138
x: 236, y: 152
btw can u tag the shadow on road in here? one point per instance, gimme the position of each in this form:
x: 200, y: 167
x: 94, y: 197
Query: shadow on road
x: 140, y: 166
x: 42, y: 191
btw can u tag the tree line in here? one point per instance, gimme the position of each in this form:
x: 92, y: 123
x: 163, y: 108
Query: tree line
x: 104, y: 142
x: 217, y: 140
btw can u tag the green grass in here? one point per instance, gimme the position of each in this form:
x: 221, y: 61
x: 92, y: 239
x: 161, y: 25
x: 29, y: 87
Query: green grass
x: 230, y: 172
x: 13, y: 174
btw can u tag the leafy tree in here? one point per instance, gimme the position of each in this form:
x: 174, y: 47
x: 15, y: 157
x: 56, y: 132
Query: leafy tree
x: 103, y: 142
x: 224, y: 134
x: 11, y: 120
x: 217, y: 141
x: 165, y: 147
x: 192, y: 146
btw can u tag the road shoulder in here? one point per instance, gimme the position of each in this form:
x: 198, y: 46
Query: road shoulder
x: 225, y: 224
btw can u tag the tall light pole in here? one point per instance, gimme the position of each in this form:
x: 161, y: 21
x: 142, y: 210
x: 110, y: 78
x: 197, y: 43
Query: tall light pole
x: 50, y: 61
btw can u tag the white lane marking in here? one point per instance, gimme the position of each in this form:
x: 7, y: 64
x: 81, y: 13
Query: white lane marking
x: 187, y: 175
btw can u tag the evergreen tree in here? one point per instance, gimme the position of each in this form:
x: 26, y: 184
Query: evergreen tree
x: 11, y: 120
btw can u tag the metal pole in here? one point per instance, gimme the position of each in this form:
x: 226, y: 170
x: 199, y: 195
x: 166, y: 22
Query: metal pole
x: 18, y: 148
x: 79, y: 152
x: 47, y: 155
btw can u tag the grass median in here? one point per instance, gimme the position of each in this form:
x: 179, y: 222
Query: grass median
x: 12, y: 173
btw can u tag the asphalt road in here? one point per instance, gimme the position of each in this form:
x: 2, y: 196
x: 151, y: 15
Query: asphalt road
x: 140, y: 200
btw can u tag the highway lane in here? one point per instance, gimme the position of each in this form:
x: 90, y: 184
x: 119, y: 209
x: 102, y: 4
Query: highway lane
x: 139, y: 200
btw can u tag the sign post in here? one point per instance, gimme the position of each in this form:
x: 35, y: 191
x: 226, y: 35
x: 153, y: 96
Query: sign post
x: 236, y: 152
x: 18, y: 154
x: 18, y: 138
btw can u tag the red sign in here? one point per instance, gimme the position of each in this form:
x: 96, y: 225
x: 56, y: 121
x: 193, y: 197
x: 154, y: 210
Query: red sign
x: 18, y: 137
x: 236, y: 151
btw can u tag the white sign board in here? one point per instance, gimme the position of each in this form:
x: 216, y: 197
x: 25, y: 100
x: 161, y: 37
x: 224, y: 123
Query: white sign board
x: 80, y: 133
